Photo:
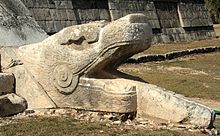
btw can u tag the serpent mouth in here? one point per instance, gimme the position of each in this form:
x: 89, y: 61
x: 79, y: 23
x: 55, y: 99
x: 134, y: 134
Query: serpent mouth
x: 106, y: 65
x: 118, y: 41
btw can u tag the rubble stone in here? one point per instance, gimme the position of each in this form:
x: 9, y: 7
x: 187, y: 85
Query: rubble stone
x: 11, y: 104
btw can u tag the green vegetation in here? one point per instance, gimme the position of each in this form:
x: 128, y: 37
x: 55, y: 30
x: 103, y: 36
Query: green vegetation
x: 214, y: 9
x: 165, y: 48
x: 57, y: 126
x: 193, y: 76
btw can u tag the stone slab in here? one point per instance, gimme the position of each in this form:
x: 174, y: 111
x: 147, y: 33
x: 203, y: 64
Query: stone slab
x: 41, y: 14
x: 25, y: 86
x: 157, y: 102
x: 6, y: 83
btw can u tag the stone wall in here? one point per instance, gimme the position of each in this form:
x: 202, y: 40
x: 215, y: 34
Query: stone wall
x: 16, y: 25
x: 171, y: 20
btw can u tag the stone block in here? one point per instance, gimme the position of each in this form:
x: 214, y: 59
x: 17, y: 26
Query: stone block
x: 71, y: 15
x: 154, y: 23
x: 165, y: 23
x: 151, y: 15
x: 113, y: 6
x: 28, y: 3
x: 155, y: 39
x: 51, y: 4
x: 149, y: 7
x: 50, y: 27
x: 116, y: 1
x: 84, y: 21
x: 187, y: 23
x: 213, y: 34
x: 42, y: 24
x: 126, y: 12
x: 205, y: 15
x: 57, y: 26
x: 40, y: 3
x: 6, y: 83
x: 209, y: 22
x: 104, y: 15
x: 116, y: 14
x: 134, y: 6
x: 61, y: 15
x: 68, y: 23
x: 41, y: 14
x: 79, y: 4
x: 11, y: 104
x: 165, y: 38
x: 32, y: 12
x: 90, y: 4
x: 63, y: 4
x: 89, y: 14
x: 124, y: 5
x: 63, y: 24
x: 183, y: 14
x: 53, y: 14
x: 71, y: 23
x: 183, y: 37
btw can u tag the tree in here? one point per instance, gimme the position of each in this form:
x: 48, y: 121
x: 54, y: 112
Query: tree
x: 214, y: 9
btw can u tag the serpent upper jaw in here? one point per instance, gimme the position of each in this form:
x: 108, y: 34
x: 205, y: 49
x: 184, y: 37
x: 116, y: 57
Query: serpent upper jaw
x: 117, y: 42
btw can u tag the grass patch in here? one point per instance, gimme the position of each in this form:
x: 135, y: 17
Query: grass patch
x: 193, y: 76
x: 60, y: 126
x: 165, y: 48
x: 217, y: 121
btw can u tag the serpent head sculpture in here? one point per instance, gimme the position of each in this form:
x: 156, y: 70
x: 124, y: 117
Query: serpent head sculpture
x: 76, y: 67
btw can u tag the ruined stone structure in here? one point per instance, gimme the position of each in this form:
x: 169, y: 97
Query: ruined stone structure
x: 77, y: 68
x: 171, y: 20
x: 17, y: 27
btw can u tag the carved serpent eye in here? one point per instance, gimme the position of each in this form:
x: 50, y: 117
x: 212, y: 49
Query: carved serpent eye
x: 64, y: 80
x: 77, y: 41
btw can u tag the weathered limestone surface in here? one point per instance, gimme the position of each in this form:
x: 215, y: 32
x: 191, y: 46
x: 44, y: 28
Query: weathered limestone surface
x: 6, y: 83
x: 166, y: 17
x: 25, y: 83
x: 11, y: 104
x: 159, y: 103
x: 77, y: 68
x: 17, y: 27
x: 58, y: 69
x: 194, y: 14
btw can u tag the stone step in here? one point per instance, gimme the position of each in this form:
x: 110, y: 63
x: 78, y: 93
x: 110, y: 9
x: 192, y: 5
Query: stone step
x: 11, y: 104
x: 6, y: 83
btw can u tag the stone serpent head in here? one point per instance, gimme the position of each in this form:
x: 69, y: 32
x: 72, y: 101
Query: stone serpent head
x: 85, y: 54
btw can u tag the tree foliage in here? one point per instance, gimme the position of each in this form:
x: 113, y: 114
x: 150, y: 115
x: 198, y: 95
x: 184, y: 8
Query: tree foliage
x: 214, y: 9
